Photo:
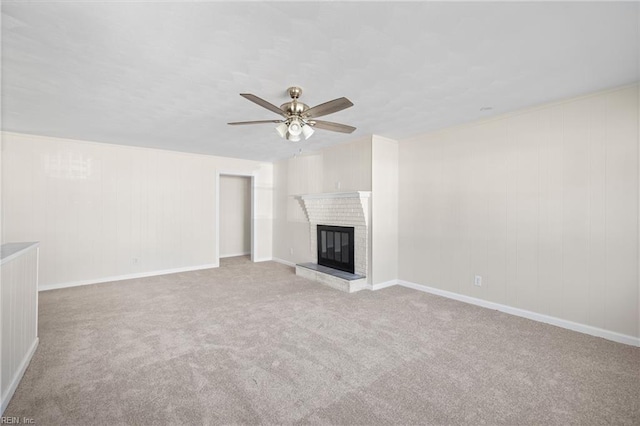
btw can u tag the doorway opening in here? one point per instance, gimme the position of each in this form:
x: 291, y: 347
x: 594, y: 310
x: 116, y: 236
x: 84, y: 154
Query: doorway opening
x: 234, y: 233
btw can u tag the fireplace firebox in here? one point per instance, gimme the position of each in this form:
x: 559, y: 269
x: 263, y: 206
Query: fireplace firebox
x: 335, y: 247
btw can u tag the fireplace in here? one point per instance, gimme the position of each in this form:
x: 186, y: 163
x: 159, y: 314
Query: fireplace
x: 338, y: 239
x: 336, y: 247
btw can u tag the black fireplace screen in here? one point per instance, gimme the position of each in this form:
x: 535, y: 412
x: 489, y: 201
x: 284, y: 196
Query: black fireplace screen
x: 335, y: 247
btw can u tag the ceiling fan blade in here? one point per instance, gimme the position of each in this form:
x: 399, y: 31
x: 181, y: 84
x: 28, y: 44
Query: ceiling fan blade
x: 328, y: 107
x: 236, y: 123
x: 263, y: 103
x: 334, y: 127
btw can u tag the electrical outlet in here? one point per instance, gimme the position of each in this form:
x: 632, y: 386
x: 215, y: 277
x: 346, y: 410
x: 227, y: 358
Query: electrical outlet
x: 291, y: 250
x: 338, y: 185
x: 135, y: 260
x: 477, y: 281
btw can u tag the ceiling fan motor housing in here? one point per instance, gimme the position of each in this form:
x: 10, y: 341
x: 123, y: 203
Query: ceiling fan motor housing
x: 294, y: 108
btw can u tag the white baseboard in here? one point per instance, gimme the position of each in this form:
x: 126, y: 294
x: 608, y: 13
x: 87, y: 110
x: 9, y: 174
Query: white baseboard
x: 223, y: 256
x: 262, y: 259
x: 284, y: 262
x: 380, y: 286
x: 581, y: 328
x: 126, y: 277
x: 18, y: 376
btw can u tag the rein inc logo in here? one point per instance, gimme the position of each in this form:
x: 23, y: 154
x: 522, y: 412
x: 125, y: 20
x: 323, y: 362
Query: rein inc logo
x: 6, y: 420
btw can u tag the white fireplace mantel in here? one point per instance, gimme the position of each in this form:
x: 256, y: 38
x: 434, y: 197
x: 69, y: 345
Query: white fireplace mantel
x: 330, y: 195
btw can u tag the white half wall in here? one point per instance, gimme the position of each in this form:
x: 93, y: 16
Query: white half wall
x: 543, y: 204
x: 235, y: 215
x: 103, y: 210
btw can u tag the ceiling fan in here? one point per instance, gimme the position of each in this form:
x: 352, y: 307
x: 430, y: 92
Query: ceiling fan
x: 297, y: 118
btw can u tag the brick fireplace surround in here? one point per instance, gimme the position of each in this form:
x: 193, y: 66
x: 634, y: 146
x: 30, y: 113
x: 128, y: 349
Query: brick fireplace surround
x: 340, y: 209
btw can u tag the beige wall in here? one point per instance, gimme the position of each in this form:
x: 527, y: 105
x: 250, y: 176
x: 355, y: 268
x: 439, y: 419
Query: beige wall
x: 347, y: 167
x: 342, y: 168
x: 543, y: 204
x: 384, y: 210
x: 235, y: 215
x: 295, y: 176
x: 102, y: 211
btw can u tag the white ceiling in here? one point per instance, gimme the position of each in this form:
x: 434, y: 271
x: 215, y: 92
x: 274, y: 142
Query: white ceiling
x: 168, y: 75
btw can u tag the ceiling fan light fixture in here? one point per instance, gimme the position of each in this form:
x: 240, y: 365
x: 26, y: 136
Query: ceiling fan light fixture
x: 297, y: 120
x: 307, y: 131
x: 282, y: 129
x: 295, y: 127
x: 293, y: 138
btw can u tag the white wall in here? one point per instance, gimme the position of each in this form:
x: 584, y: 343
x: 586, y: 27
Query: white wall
x: 1, y: 173
x: 347, y: 167
x: 543, y: 204
x: 300, y: 175
x: 342, y: 168
x: 384, y: 210
x: 235, y: 215
x: 104, y: 211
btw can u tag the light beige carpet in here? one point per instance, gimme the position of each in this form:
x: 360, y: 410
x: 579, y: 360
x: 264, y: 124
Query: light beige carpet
x: 252, y: 343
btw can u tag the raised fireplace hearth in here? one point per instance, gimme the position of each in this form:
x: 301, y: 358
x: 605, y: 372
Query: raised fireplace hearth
x: 334, y: 278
